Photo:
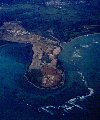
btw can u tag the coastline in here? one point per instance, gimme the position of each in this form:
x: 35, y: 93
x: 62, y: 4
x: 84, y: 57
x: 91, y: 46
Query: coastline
x: 42, y: 88
x: 41, y: 48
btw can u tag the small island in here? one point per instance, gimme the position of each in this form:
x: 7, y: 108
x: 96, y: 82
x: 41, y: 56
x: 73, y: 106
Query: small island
x: 43, y: 71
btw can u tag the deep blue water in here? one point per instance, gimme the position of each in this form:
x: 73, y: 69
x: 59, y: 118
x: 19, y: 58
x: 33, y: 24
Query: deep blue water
x: 79, y: 98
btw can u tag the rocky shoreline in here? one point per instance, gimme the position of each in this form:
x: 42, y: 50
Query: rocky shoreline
x: 45, y: 54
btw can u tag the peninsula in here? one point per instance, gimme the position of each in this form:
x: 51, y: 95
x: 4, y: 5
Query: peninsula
x: 45, y: 54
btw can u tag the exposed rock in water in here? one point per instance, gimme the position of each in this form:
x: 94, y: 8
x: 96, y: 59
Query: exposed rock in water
x: 45, y: 52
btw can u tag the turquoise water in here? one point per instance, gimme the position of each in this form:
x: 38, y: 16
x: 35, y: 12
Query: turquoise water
x: 79, y: 98
x: 80, y: 59
x: 13, y: 63
x: 82, y: 55
x: 20, y: 100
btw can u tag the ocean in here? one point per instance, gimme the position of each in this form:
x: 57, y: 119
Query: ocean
x: 77, y: 25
